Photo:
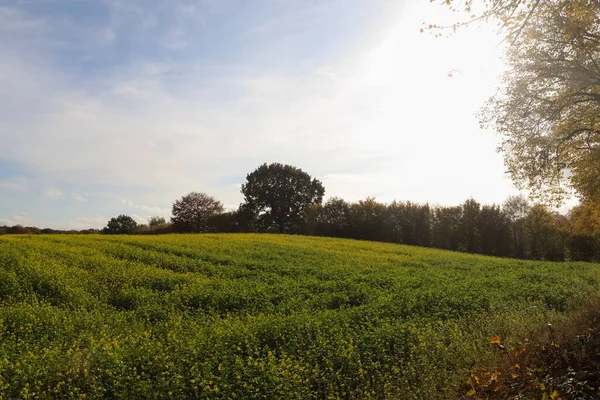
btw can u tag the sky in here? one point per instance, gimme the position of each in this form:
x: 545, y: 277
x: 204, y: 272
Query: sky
x: 112, y: 107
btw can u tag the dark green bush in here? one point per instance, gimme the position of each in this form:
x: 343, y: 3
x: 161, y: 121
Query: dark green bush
x: 583, y: 247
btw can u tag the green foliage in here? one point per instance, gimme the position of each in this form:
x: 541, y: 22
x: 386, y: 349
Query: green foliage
x: 157, y: 221
x: 547, y: 113
x: 494, y: 229
x: 469, y: 225
x: 513, y: 230
x: 584, y: 247
x: 543, y: 235
x: 193, y: 211
x: 120, y: 225
x: 154, y: 229
x: 332, y: 218
x: 367, y: 218
x: 277, y: 197
x: 512, y: 16
x: 585, y: 218
x: 248, y: 316
x: 447, y: 228
x: 224, y: 222
x: 548, y: 108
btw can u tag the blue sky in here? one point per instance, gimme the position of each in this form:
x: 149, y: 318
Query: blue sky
x: 114, y: 107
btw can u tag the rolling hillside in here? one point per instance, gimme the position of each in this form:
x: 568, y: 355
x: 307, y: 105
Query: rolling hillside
x: 263, y: 316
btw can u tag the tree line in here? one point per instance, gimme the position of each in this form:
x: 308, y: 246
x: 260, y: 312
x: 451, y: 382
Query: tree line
x: 281, y: 198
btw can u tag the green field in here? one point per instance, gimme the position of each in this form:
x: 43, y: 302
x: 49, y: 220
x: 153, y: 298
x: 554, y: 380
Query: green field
x: 262, y: 316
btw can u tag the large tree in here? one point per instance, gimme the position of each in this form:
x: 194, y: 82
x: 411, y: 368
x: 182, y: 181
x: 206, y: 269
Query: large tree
x: 157, y: 221
x: 120, y: 225
x: 516, y: 209
x: 332, y: 218
x: 278, y: 196
x: 585, y: 218
x: 471, y: 210
x: 494, y: 229
x: 548, y: 110
x: 544, y: 238
x: 366, y: 219
x: 192, y: 212
x: 510, y: 16
x: 447, y: 227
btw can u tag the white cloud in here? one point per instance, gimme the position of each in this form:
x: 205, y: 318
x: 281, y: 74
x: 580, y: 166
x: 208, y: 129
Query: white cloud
x: 96, y: 222
x: 54, y: 193
x: 77, y: 196
x: 14, y: 20
x: 149, y: 210
x: 127, y: 202
x: 13, y: 184
x: 139, y: 219
x: 20, y: 218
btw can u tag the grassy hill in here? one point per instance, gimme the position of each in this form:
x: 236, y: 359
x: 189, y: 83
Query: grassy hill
x: 263, y: 316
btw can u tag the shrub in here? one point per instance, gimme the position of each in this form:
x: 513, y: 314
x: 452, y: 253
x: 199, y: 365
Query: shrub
x: 583, y: 247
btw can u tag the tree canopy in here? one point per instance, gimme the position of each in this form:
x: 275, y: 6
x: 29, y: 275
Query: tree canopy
x: 192, y: 212
x: 548, y: 113
x: 510, y: 16
x: 120, y: 225
x: 157, y: 221
x: 548, y: 110
x: 277, y: 196
x: 585, y: 218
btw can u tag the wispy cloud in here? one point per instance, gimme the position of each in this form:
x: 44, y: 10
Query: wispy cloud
x: 54, y: 193
x: 149, y: 210
x: 96, y: 222
x: 14, y: 20
x: 20, y: 218
x: 12, y: 183
x: 77, y: 196
x: 139, y: 219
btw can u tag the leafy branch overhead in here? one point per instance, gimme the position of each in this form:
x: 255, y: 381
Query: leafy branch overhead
x: 510, y: 16
x: 548, y: 110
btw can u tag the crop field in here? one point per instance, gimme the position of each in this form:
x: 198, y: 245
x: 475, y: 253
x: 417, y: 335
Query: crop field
x: 262, y: 316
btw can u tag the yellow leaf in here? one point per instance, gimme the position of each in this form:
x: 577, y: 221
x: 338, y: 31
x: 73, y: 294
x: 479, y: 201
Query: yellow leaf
x: 554, y: 395
x: 495, y: 340
x: 471, y: 392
